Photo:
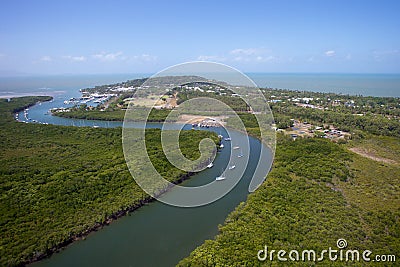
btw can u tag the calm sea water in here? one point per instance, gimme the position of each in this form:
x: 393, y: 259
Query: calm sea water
x: 353, y: 84
x: 57, y: 85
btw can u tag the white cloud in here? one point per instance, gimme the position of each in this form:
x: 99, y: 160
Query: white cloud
x: 248, y: 55
x: 145, y: 57
x: 266, y: 58
x: 46, y: 59
x: 330, y: 53
x: 348, y: 57
x: 246, y: 52
x: 252, y: 55
x: 75, y: 58
x: 255, y: 58
x: 119, y: 56
x: 211, y: 58
x: 103, y: 56
x: 384, y: 54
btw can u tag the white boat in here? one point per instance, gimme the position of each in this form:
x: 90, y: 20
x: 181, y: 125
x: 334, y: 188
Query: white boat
x: 228, y: 139
x: 221, y: 146
x: 210, y: 165
x: 232, y: 167
x: 236, y: 147
x: 220, y: 178
x: 241, y: 154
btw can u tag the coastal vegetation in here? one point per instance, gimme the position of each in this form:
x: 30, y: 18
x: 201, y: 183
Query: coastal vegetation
x: 10, y: 106
x: 78, y: 113
x: 355, y: 114
x: 58, y: 183
x: 115, y: 115
x: 316, y: 193
x: 116, y: 86
x: 371, y: 123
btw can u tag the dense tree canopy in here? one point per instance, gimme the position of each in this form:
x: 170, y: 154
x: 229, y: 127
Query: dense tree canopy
x: 57, y: 182
x: 302, y: 205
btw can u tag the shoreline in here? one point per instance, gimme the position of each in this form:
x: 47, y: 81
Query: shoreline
x: 16, y: 95
x: 98, y: 226
x: 22, y: 95
x: 183, y: 119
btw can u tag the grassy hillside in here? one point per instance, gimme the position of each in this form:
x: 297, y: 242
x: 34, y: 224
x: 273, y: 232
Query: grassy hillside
x: 58, y: 182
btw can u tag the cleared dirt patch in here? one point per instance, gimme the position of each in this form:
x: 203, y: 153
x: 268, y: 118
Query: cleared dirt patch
x: 371, y: 155
x: 186, y: 118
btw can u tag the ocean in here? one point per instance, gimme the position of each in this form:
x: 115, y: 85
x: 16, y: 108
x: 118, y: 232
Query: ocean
x: 386, y: 85
x: 57, y: 85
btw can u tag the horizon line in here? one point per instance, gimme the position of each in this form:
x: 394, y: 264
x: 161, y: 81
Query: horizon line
x: 148, y: 74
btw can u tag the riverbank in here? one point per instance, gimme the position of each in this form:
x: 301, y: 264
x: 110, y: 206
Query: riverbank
x: 98, y: 226
x: 9, y: 96
x: 81, y: 236
x: 342, y: 195
x: 73, y: 182
x: 169, y: 232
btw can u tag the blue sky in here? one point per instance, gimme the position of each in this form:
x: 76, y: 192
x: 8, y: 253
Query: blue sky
x: 64, y: 37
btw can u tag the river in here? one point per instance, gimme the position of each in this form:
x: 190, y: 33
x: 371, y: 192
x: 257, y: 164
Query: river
x: 156, y: 234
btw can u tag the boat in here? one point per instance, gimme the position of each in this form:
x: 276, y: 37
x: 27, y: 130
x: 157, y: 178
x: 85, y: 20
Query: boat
x: 241, y: 154
x: 220, y: 178
x: 228, y: 139
x: 221, y: 146
x: 235, y: 147
x: 210, y: 165
x: 232, y: 167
